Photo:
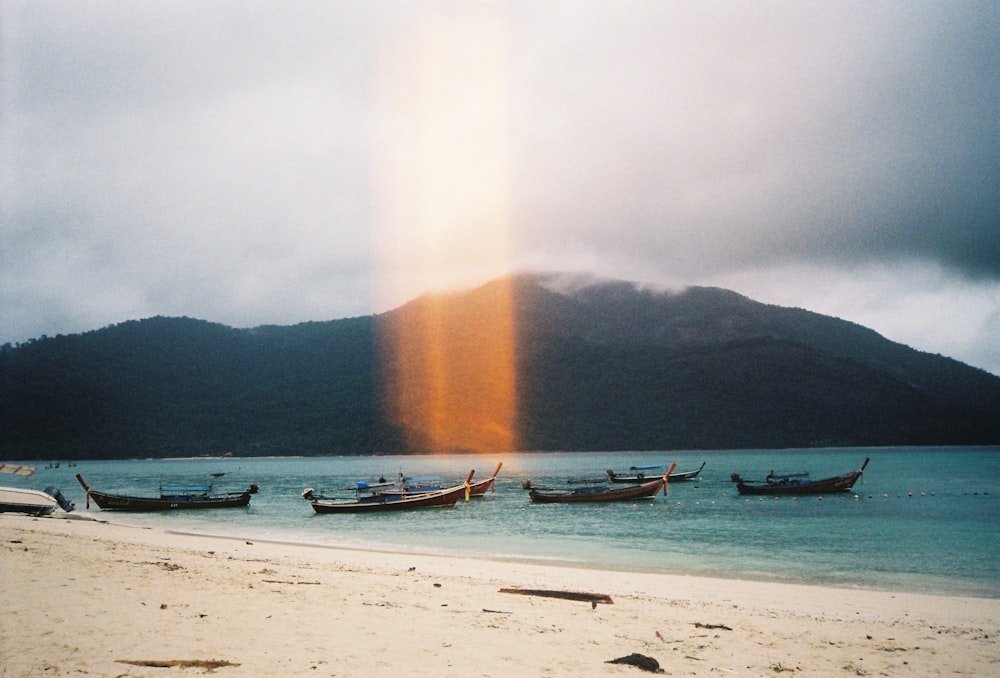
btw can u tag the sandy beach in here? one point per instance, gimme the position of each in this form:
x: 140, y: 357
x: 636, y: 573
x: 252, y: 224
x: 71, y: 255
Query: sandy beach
x: 84, y: 597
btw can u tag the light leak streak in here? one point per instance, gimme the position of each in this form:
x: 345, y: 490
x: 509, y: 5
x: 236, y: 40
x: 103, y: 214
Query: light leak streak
x: 441, y: 173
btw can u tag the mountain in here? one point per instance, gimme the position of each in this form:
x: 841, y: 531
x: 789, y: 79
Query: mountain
x: 528, y: 362
x: 709, y: 368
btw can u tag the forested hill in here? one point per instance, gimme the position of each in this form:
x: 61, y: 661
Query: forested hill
x: 604, y: 366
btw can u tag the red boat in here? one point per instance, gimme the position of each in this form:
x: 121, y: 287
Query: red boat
x: 412, y: 486
x: 481, y: 487
x: 388, y: 502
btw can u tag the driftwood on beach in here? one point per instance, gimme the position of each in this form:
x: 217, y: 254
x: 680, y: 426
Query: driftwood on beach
x: 565, y: 595
x: 207, y: 664
x: 699, y: 625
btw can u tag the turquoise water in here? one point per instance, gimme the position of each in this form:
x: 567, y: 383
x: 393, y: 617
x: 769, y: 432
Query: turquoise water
x: 924, y: 519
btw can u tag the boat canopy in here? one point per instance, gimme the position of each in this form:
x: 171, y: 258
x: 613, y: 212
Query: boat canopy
x: 647, y: 467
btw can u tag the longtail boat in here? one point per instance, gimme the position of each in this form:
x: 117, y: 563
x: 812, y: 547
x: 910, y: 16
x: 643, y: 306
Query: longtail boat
x: 600, y: 493
x: 798, y: 483
x: 432, y: 484
x: 640, y: 474
x: 171, y: 498
x: 376, y: 502
x: 407, y: 486
x: 480, y: 487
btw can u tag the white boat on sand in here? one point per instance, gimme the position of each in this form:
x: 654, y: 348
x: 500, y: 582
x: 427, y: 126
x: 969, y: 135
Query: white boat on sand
x: 25, y: 500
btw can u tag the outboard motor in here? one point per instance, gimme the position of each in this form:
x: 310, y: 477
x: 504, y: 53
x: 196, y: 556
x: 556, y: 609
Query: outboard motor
x: 63, y: 502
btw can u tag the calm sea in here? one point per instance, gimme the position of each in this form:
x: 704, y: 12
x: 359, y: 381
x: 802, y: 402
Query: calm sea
x: 922, y: 519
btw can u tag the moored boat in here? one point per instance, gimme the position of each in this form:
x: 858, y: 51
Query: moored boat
x: 377, y: 502
x: 481, y: 487
x: 171, y: 498
x: 594, y: 493
x: 640, y: 474
x: 408, y: 486
x: 798, y: 483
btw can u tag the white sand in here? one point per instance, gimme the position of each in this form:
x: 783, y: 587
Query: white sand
x: 82, y: 597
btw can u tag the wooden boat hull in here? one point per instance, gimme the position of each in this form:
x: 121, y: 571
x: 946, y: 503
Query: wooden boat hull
x: 646, y: 490
x: 684, y: 476
x: 677, y: 476
x: 120, y: 502
x: 841, y: 483
x: 22, y: 500
x: 476, y: 489
x: 383, y: 502
x: 481, y: 487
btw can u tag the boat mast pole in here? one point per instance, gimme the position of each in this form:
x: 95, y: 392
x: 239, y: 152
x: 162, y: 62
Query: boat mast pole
x: 666, y: 477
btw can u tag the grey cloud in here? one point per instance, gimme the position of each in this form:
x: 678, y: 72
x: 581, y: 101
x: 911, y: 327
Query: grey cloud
x: 846, y: 132
x: 217, y: 159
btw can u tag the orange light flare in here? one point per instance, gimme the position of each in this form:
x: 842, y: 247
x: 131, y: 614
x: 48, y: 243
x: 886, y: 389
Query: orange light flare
x: 451, y: 372
x: 441, y: 172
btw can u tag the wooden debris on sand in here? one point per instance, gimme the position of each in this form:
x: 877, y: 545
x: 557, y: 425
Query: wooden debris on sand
x: 592, y: 598
x: 283, y: 581
x: 208, y: 665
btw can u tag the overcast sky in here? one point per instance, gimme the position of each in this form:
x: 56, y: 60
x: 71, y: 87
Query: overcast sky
x: 276, y: 162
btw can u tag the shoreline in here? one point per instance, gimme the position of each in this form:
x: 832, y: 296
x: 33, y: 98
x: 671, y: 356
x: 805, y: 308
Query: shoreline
x: 557, y: 562
x: 906, y: 583
x: 84, y: 595
x: 923, y: 584
x: 703, y: 528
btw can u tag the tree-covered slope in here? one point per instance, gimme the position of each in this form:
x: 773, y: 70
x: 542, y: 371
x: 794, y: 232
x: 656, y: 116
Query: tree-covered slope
x: 604, y: 365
